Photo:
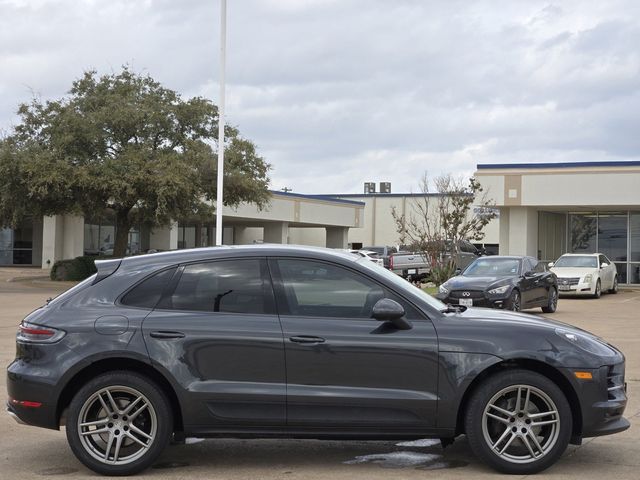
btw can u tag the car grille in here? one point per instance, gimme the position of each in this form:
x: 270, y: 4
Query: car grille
x: 569, y: 281
x: 474, y: 294
x: 615, y: 382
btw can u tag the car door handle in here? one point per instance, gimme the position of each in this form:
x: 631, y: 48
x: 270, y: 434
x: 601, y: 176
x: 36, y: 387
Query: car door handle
x: 306, y: 339
x: 166, y: 335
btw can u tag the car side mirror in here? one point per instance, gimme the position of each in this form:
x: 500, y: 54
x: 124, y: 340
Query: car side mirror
x: 550, y: 264
x: 530, y: 274
x: 387, y: 310
x: 458, y: 271
x: 604, y: 265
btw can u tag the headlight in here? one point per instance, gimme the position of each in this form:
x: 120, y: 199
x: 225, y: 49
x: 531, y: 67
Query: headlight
x: 443, y: 289
x: 587, y: 278
x: 499, y: 290
x: 586, y: 342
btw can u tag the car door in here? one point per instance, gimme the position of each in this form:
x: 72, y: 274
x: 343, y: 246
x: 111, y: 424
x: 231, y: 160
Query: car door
x: 345, y: 369
x: 606, y: 273
x: 539, y: 286
x: 528, y: 283
x: 216, y: 333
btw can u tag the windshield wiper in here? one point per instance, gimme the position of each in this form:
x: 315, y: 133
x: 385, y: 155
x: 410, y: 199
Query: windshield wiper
x: 453, y: 308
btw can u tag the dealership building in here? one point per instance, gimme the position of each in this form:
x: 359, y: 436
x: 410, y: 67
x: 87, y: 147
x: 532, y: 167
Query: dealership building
x: 547, y: 209
x: 544, y: 210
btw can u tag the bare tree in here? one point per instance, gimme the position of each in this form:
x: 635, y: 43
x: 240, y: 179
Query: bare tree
x: 441, y: 218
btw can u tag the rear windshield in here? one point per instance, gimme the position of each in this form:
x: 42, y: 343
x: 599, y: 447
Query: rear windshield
x: 577, y: 261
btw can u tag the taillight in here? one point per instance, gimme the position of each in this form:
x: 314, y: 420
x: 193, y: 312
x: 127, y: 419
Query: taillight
x: 31, y: 333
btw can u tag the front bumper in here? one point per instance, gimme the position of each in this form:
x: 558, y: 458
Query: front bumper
x: 478, y: 300
x: 579, y: 289
x: 603, y: 401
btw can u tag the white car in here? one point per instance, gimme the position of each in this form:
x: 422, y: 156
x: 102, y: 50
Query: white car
x: 370, y: 255
x: 585, y: 274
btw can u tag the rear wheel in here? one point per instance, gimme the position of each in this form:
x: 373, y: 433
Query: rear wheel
x: 119, y: 423
x: 614, y: 287
x: 552, y: 303
x: 518, y: 422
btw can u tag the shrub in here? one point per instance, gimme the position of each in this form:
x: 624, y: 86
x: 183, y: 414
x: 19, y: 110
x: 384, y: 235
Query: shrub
x: 75, y: 269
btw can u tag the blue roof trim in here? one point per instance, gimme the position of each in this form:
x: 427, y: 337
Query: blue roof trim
x: 326, y: 198
x: 611, y: 163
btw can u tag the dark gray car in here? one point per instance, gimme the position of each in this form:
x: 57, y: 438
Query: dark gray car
x: 275, y: 341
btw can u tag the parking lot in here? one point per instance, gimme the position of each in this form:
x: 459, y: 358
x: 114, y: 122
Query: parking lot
x: 27, y: 452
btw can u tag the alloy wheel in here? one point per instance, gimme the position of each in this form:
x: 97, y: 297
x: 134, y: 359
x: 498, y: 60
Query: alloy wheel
x: 117, y: 425
x: 521, y: 424
x: 515, y: 303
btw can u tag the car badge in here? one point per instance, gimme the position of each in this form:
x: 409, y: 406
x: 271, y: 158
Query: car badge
x: 466, y: 294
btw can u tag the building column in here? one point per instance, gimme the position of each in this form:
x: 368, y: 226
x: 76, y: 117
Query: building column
x: 522, y: 237
x: 62, y: 238
x: 164, y: 238
x: 337, y: 237
x: 276, y: 232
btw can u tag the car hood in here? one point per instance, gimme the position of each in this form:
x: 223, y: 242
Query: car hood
x: 475, y: 283
x: 565, y: 272
x: 509, y: 318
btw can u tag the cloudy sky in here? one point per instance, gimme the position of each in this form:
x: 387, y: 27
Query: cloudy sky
x: 335, y: 93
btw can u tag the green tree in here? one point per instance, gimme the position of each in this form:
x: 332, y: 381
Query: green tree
x: 124, y: 142
x: 441, y: 218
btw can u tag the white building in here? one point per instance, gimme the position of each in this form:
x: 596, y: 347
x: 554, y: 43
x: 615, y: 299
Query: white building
x: 545, y: 211
x: 548, y: 209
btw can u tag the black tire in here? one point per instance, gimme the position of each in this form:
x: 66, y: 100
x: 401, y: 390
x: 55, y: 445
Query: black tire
x: 552, y: 302
x: 598, y: 292
x: 514, y: 303
x: 614, y: 289
x: 479, y: 441
x: 155, y: 419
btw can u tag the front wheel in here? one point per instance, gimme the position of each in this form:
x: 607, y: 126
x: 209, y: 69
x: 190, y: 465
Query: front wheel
x: 614, y: 287
x: 598, y: 291
x: 518, y: 422
x: 552, y: 302
x: 119, y: 423
x: 514, y: 302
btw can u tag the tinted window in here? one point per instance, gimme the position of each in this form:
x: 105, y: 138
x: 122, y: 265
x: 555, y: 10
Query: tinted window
x: 232, y: 286
x: 541, y: 267
x: 324, y: 290
x: 147, y: 293
x: 493, y: 267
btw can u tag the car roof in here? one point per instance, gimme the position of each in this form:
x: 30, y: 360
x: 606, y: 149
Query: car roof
x: 581, y: 254
x: 206, y: 253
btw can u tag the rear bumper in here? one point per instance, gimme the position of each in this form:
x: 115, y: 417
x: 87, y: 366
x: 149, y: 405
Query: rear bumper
x: 24, y: 387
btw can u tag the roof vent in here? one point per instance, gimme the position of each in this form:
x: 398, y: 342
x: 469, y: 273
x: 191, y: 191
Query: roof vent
x: 385, y: 187
x: 369, y: 187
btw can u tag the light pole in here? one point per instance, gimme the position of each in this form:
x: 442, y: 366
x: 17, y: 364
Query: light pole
x: 220, y: 183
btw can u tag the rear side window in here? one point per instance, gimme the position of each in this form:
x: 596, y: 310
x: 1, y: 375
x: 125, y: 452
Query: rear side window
x: 147, y: 293
x: 231, y: 286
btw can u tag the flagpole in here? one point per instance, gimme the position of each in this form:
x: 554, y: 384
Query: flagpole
x: 221, y: 119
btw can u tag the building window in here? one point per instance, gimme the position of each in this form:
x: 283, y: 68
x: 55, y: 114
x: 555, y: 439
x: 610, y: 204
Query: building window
x: 583, y: 229
x: 16, y: 245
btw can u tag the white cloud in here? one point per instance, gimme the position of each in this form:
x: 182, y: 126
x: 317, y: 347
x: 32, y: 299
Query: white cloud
x: 335, y: 93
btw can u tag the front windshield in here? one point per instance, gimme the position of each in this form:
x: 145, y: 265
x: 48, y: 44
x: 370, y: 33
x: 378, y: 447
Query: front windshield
x: 399, y: 282
x: 577, y: 261
x: 492, y: 267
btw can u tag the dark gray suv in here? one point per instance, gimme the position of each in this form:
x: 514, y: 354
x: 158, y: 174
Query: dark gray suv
x: 276, y: 341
